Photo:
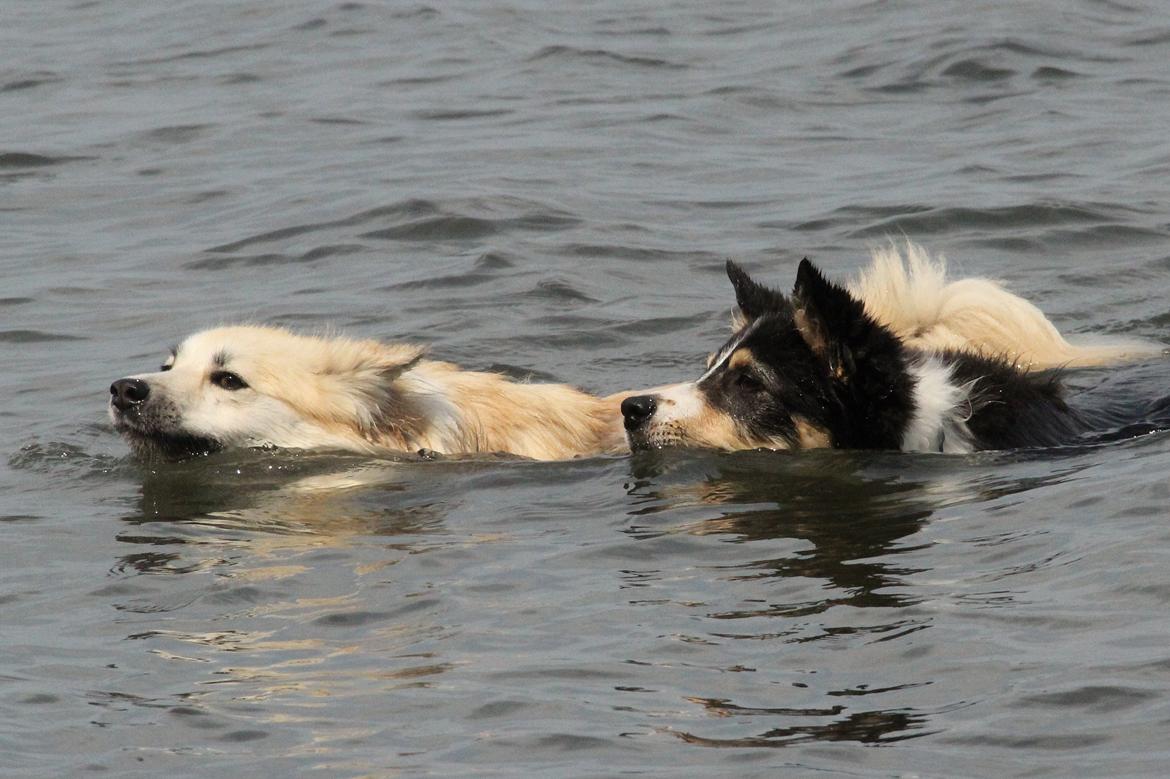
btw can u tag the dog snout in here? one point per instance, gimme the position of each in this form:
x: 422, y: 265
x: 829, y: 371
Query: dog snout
x: 126, y: 393
x: 636, y: 410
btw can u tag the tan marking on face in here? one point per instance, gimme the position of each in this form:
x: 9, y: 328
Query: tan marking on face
x: 742, y: 358
x: 809, y: 436
x: 685, y: 418
x: 716, y: 429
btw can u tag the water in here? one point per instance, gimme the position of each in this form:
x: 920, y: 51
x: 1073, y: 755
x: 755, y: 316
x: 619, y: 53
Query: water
x: 551, y: 191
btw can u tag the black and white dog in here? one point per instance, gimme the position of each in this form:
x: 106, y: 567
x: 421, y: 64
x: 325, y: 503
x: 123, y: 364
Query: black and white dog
x: 816, y: 370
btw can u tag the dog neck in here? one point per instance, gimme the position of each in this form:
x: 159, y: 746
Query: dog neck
x: 942, y: 409
x: 453, y: 411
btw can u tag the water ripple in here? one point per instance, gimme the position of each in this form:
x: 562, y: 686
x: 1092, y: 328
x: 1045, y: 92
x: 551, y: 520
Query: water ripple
x: 179, y: 133
x: 937, y: 220
x: 412, y: 207
x: 20, y: 159
x: 1100, y: 699
x: 449, y: 115
x: 274, y: 258
x: 573, y: 54
x: 31, y: 81
x: 867, y: 727
x: 35, y: 337
x: 194, y: 54
x: 411, y: 220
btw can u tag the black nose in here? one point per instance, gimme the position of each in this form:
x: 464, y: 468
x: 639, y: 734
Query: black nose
x: 637, y: 409
x: 125, y: 393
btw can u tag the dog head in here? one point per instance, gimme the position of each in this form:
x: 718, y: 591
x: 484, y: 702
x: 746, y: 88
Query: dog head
x: 811, y: 371
x: 262, y: 386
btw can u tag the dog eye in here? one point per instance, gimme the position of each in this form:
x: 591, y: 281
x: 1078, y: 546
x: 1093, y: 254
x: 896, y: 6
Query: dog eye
x: 748, y: 382
x: 228, y: 381
x: 166, y: 366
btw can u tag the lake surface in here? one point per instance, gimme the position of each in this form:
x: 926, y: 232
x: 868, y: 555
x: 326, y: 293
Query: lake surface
x: 551, y: 190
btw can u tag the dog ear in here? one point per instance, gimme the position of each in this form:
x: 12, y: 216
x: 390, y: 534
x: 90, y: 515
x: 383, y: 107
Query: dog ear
x: 835, y: 325
x: 397, y: 360
x: 369, y: 369
x: 864, y: 360
x: 370, y: 384
x: 752, y: 299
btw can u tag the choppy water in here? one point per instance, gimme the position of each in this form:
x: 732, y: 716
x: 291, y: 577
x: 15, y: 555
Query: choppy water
x: 552, y: 191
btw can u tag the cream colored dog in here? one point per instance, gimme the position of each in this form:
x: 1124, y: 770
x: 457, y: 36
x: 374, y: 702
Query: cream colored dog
x: 255, y: 386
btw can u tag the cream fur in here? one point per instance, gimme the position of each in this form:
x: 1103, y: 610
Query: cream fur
x: 909, y: 292
x: 308, y: 392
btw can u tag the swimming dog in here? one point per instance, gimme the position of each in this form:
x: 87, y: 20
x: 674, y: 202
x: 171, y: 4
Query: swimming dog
x: 256, y: 386
x: 819, y: 369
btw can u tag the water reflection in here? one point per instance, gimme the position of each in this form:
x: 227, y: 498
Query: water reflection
x: 270, y: 504
x: 785, y: 605
x: 252, y: 575
x: 842, y: 539
x: 867, y: 727
x: 851, y: 519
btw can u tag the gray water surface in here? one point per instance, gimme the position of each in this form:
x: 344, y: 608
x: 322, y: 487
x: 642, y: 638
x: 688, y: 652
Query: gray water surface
x: 550, y: 190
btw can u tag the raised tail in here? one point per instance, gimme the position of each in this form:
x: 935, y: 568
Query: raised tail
x: 910, y: 294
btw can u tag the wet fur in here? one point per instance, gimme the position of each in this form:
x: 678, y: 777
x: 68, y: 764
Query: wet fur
x: 308, y: 392
x: 817, y: 369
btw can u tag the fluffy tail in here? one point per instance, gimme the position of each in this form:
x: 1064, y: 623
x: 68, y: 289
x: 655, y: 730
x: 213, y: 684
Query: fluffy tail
x: 912, y: 296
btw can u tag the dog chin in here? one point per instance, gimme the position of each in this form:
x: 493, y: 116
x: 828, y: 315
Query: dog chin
x: 169, y: 446
x: 640, y: 441
x: 151, y: 444
x: 637, y: 443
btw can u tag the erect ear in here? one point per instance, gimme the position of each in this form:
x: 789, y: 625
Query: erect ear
x: 835, y: 326
x: 371, y: 367
x: 752, y: 299
x: 375, y: 403
x: 397, y: 360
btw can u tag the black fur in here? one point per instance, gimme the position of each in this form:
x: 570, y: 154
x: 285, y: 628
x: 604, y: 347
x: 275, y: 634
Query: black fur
x: 864, y: 361
x: 753, y: 299
x: 1011, y: 409
x: 784, y: 382
x: 821, y: 358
